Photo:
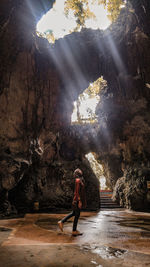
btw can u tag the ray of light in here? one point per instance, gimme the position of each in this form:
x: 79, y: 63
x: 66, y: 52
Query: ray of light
x: 97, y: 169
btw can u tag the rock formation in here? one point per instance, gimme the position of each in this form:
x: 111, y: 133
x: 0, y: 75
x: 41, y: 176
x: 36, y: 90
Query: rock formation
x: 39, y: 148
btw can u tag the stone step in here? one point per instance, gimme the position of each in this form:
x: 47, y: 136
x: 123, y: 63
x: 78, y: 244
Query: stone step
x: 106, y: 202
x: 110, y: 206
x: 116, y: 206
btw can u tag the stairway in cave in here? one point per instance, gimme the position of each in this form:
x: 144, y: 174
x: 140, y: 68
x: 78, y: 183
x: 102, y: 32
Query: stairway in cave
x: 106, y: 202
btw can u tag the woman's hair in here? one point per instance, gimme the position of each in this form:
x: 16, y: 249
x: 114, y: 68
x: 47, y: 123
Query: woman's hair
x: 77, y: 173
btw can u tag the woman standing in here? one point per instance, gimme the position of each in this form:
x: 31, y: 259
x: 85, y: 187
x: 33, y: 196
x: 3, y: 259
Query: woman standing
x: 79, y: 201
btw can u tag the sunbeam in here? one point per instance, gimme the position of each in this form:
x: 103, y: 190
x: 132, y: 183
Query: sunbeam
x: 97, y: 169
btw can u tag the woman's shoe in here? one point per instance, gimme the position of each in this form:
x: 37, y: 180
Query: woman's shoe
x: 60, y: 224
x: 75, y: 233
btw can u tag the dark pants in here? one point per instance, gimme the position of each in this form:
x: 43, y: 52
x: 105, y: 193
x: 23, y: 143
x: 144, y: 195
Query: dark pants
x: 76, y: 214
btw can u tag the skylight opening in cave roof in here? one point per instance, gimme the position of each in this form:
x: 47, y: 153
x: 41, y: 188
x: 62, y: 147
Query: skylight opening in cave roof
x: 84, y: 110
x: 55, y: 24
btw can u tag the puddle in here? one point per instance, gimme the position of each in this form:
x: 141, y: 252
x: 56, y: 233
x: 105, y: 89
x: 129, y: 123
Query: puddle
x: 105, y: 252
x: 94, y: 262
x: 108, y: 252
x: 140, y: 223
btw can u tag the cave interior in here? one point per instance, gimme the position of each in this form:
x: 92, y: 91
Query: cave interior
x: 40, y: 147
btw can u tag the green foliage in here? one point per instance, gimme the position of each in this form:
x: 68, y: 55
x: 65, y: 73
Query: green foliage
x: 81, y: 10
x: 95, y: 88
x: 113, y: 7
x: 48, y: 35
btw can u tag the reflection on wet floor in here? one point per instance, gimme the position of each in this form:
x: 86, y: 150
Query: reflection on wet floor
x: 51, y: 223
x: 110, y: 238
x: 102, y: 230
x: 106, y: 252
x: 137, y: 223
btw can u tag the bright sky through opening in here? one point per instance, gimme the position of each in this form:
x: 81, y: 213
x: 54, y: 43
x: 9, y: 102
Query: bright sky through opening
x: 84, y: 110
x: 86, y: 104
x: 56, y: 21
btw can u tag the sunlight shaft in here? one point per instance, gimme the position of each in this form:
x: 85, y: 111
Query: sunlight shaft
x: 97, y: 169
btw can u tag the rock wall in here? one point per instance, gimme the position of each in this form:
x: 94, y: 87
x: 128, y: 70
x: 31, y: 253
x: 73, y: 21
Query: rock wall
x: 39, y: 148
x: 37, y: 155
x: 124, y: 111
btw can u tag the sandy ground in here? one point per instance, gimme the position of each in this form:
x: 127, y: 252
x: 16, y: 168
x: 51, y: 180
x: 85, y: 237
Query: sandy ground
x: 110, y: 238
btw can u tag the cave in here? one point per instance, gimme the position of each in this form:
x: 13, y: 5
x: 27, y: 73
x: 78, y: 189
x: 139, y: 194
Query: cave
x: 39, y: 84
x: 40, y: 146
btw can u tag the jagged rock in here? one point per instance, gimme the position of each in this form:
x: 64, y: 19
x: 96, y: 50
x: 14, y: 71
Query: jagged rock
x: 52, y: 187
x: 131, y: 190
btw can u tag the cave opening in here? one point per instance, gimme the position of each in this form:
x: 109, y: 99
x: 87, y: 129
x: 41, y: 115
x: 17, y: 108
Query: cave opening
x: 95, y: 16
x: 76, y: 15
x: 84, y: 110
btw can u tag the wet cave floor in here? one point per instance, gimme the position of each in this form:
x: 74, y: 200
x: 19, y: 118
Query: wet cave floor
x: 110, y: 238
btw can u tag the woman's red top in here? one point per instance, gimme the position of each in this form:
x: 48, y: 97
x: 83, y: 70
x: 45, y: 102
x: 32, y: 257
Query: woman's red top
x: 79, y: 193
